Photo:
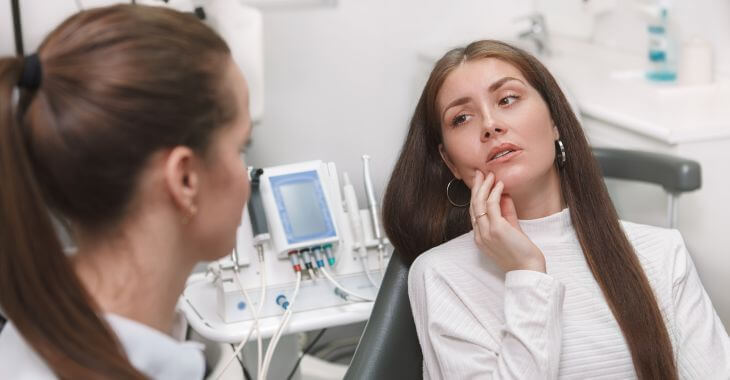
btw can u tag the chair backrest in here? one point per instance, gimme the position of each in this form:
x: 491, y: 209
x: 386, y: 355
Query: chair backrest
x: 389, y: 347
x: 675, y: 174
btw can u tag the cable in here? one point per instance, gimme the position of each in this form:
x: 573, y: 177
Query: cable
x: 257, y: 325
x: 235, y: 353
x: 337, y: 284
x: 262, y: 300
x: 373, y: 206
x: 255, y: 313
x: 353, y: 212
x: 17, y: 27
x: 246, y: 375
x: 364, y: 260
x: 304, y: 352
x: 381, y: 259
x: 275, y: 339
x: 336, y: 349
x: 254, y: 326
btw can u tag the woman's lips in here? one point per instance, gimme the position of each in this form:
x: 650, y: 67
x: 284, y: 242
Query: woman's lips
x: 505, y: 158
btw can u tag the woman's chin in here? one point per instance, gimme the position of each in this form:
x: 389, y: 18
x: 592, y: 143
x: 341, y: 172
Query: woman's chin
x: 510, y: 181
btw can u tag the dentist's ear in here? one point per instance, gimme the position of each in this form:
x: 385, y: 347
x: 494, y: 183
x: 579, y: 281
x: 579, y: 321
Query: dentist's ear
x: 556, y: 132
x: 447, y: 161
x: 182, y: 179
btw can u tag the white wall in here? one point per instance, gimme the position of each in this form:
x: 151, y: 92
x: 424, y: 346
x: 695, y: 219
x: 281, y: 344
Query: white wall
x: 340, y: 81
x: 344, y: 81
x: 37, y: 19
x: 351, y: 75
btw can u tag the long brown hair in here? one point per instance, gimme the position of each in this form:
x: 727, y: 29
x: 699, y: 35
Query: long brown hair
x: 418, y: 216
x: 118, y: 84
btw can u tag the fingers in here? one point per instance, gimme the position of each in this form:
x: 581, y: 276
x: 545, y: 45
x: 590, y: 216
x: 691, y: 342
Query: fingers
x: 493, y: 210
x: 478, y: 180
x: 508, y: 210
x: 480, y: 201
x: 481, y: 221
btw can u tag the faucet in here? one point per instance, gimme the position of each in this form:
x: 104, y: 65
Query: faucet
x: 537, y: 33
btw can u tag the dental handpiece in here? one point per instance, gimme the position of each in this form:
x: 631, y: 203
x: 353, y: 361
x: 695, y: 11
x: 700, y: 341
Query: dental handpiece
x: 372, y: 204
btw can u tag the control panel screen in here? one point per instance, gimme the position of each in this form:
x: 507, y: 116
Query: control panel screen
x: 302, y: 206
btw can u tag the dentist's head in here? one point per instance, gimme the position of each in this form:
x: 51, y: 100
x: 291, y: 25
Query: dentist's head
x: 490, y: 109
x: 129, y: 125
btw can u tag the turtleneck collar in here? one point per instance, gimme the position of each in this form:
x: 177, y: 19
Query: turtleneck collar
x: 553, y: 228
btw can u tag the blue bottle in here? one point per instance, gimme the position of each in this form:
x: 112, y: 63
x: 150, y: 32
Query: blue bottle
x: 661, y: 50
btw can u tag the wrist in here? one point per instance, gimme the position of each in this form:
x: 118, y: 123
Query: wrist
x: 536, y: 264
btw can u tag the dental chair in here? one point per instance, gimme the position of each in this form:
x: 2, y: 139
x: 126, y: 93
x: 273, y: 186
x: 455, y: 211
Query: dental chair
x: 389, y: 347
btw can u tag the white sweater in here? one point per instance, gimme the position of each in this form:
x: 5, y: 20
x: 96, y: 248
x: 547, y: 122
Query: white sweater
x: 476, y: 322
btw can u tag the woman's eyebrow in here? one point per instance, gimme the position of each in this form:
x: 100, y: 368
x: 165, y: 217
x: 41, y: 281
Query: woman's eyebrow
x: 457, y: 102
x: 496, y: 85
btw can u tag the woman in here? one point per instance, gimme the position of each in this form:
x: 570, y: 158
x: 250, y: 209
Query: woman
x: 129, y: 125
x: 531, y: 275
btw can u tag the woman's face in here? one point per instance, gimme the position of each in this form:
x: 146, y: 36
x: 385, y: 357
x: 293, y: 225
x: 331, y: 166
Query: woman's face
x: 225, y: 187
x: 493, y: 120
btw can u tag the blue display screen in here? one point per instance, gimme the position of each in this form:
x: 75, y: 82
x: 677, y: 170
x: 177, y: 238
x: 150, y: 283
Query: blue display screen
x: 302, y: 206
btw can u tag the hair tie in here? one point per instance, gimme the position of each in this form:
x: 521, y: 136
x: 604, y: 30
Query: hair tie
x: 31, y: 77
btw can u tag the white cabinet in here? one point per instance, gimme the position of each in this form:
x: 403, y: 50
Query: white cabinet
x: 622, y: 110
x: 703, y: 214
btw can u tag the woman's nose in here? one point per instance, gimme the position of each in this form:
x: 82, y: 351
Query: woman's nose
x: 492, y: 127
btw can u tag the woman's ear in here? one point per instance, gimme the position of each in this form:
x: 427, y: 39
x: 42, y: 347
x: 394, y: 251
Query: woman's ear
x: 182, y: 178
x: 447, y: 161
x: 556, y: 132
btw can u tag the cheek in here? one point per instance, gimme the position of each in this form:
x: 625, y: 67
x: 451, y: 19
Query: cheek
x: 537, y: 163
x: 465, y: 151
x: 239, y: 183
x: 537, y: 132
x: 231, y: 189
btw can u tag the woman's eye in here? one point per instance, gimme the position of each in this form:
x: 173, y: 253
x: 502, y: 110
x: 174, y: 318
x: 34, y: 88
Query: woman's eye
x: 460, y: 119
x: 508, y: 100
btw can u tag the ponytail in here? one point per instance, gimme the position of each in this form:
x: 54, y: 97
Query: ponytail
x: 39, y: 291
x: 117, y: 84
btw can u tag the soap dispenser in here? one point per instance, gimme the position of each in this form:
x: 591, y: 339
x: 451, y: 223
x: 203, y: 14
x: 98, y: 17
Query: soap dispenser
x: 662, y: 47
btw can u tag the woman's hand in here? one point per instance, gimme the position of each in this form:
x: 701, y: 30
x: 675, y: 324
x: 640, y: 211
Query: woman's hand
x: 496, y: 230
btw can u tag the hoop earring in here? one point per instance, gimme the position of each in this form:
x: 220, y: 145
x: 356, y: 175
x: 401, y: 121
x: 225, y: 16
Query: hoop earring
x: 561, y: 158
x: 448, y: 187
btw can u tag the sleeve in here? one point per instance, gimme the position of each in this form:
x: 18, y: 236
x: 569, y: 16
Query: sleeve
x: 459, y: 343
x: 703, y: 346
